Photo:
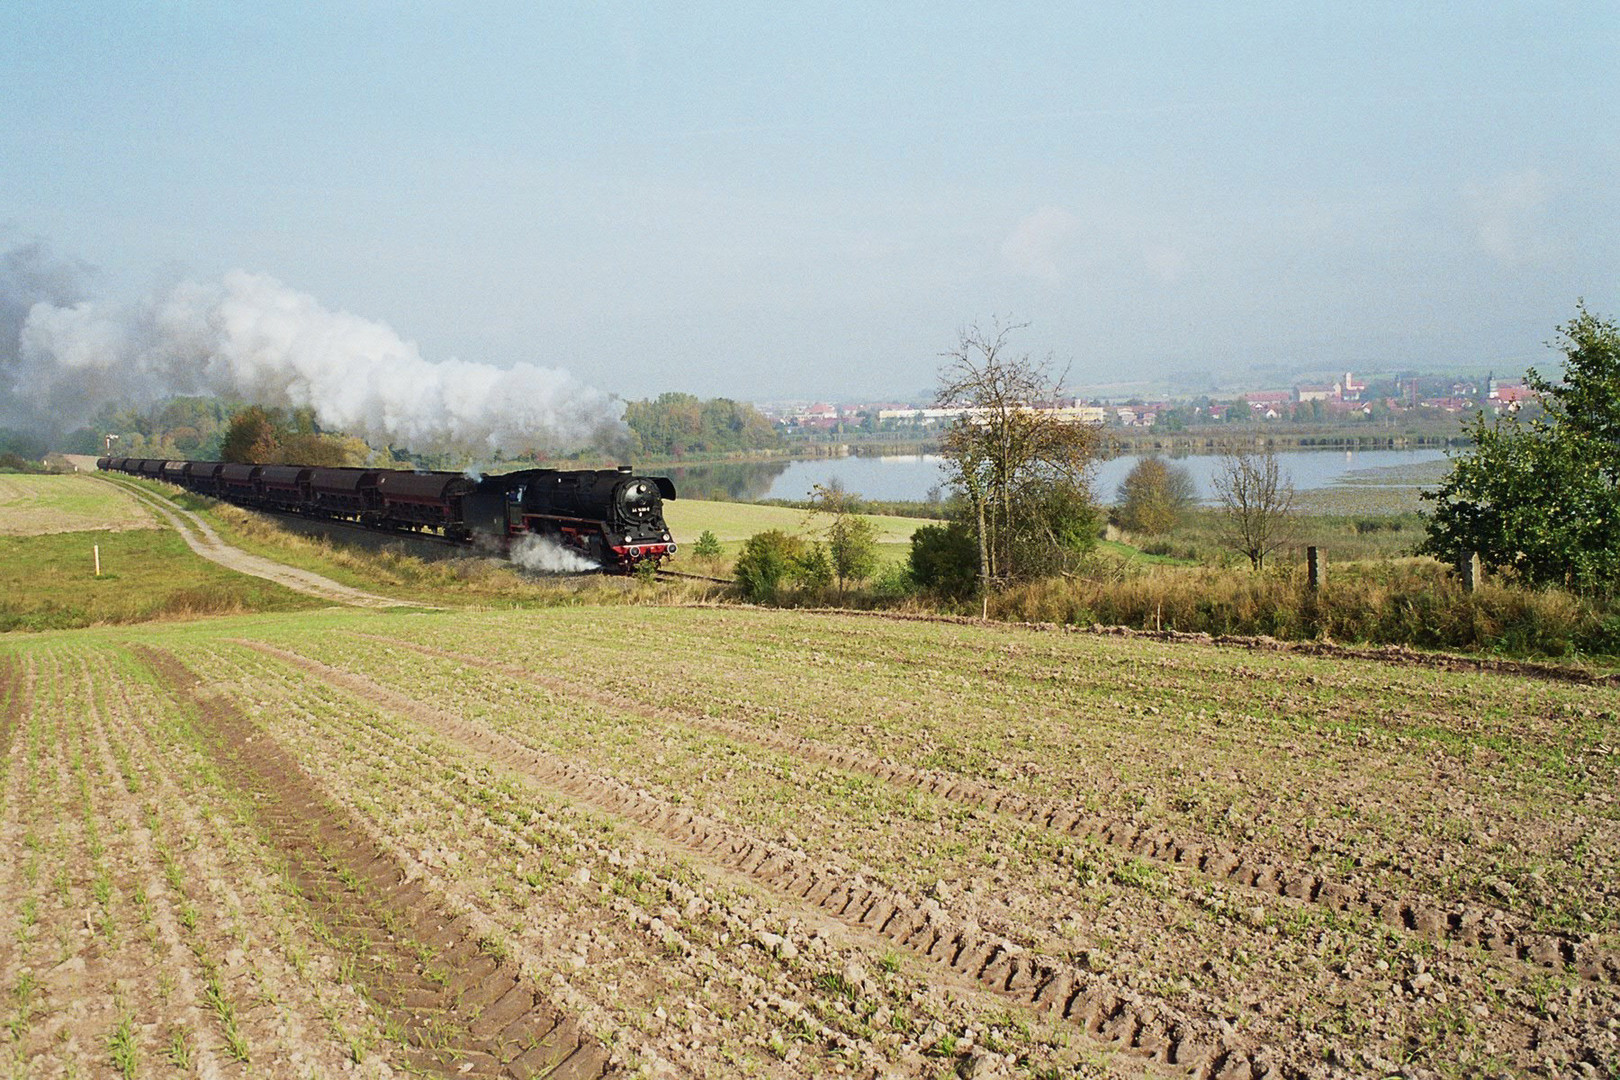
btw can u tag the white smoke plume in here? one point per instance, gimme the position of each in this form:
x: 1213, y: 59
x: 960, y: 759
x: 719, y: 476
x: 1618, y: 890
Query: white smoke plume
x: 30, y: 274
x: 252, y: 338
x: 545, y: 556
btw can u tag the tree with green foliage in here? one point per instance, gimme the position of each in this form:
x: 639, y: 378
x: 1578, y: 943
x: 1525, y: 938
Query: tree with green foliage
x: 1155, y: 497
x: 259, y: 436
x: 768, y: 560
x: 676, y: 425
x: 707, y: 545
x: 945, y: 559
x: 1539, y: 497
x: 851, y: 538
x: 1020, y: 467
x: 252, y: 438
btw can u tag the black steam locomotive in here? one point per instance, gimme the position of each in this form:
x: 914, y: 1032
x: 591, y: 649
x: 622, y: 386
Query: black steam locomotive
x: 609, y: 516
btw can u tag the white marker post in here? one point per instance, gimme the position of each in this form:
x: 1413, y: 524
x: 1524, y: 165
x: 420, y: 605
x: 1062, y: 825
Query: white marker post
x: 98, y: 560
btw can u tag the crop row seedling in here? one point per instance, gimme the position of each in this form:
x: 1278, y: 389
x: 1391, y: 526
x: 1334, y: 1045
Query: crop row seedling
x: 497, y: 800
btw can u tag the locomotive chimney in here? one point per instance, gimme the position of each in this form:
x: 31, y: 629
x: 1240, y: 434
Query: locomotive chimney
x: 624, y: 469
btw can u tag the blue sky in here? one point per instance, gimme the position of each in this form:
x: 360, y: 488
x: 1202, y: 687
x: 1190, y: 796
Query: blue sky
x: 773, y: 201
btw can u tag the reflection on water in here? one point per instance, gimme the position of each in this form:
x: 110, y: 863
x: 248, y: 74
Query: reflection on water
x: 737, y: 481
x: 915, y: 476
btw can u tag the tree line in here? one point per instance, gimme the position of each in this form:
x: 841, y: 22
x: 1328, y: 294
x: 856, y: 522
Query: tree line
x: 676, y: 425
x: 1536, y: 497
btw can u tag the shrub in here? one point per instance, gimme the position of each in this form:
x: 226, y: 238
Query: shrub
x: 945, y: 559
x: 894, y: 582
x: 812, y: 568
x: 767, y: 560
x: 1600, y: 637
x: 707, y: 545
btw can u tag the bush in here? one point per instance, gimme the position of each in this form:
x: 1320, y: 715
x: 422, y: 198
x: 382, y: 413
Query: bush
x: 16, y: 463
x: 707, y: 545
x: 945, y: 559
x: 767, y: 560
x: 812, y: 569
x: 894, y: 582
x: 1600, y: 638
x: 1057, y: 524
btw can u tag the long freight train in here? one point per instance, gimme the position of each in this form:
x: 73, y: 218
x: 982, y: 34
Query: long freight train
x: 609, y: 516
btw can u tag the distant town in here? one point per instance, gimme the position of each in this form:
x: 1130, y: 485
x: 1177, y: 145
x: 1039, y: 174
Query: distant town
x: 1345, y: 399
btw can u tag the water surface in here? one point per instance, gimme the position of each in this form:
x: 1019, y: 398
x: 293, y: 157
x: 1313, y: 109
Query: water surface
x: 916, y: 476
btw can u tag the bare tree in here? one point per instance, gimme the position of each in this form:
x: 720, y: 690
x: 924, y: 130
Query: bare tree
x: 1257, y: 503
x: 1021, y: 466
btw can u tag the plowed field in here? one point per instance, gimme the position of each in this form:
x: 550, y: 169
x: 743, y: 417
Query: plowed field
x: 586, y: 841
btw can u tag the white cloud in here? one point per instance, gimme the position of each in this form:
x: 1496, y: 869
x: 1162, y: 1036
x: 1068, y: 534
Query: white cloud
x: 251, y: 337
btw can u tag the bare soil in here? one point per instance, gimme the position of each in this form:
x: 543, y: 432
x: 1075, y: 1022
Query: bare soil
x: 682, y: 842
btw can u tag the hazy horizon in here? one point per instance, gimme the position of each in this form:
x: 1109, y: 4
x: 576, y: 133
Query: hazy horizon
x: 810, y: 203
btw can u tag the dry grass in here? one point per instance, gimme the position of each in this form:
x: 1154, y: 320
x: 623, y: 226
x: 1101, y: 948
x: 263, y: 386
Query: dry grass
x: 1412, y: 601
x: 472, y: 580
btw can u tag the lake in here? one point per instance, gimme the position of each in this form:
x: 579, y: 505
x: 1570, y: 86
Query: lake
x: 910, y: 477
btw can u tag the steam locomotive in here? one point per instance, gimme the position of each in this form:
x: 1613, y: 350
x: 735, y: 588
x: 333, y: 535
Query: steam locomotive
x: 609, y: 516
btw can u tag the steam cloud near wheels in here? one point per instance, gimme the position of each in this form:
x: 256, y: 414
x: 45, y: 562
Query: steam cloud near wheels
x: 251, y: 338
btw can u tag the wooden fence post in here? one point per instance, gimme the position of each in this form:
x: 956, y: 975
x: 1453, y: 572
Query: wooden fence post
x: 1316, y: 568
x: 1471, y: 574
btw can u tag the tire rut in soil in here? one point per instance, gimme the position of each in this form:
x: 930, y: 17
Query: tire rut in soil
x: 466, y: 1013
x: 1465, y: 924
x: 1122, y: 1019
x: 16, y: 692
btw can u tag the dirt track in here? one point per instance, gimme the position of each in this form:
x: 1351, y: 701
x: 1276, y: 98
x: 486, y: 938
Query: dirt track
x: 203, y: 540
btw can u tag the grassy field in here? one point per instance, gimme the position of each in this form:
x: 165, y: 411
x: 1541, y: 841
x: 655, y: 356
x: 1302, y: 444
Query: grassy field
x: 33, y: 505
x: 733, y: 523
x: 50, y: 530
x: 792, y: 844
x: 48, y: 582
